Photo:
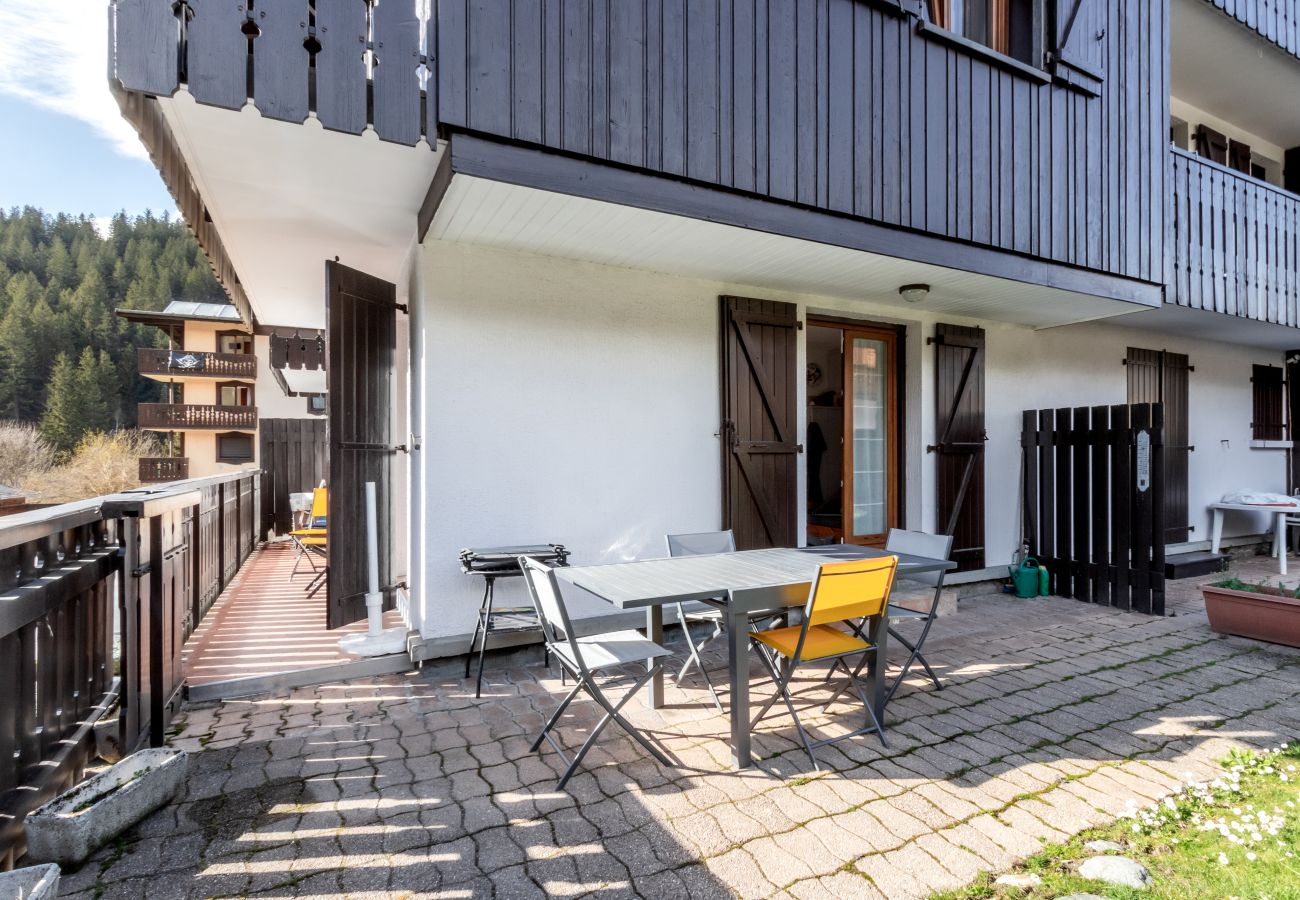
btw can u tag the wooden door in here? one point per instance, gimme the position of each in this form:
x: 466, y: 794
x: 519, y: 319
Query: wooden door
x: 759, y: 422
x: 1158, y: 376
x: 959, y: 449
x: 361, y: 340
x: 870, y: 506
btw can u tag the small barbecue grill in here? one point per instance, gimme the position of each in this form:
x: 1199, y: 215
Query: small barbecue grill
x: 491, y: 563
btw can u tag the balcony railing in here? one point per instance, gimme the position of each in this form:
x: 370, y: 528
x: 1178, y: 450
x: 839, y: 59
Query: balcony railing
x: 182, y: 416
x: 154, y: 361
x: 1274, y: 20
x: 154, y: 469
x: 1234, y: 243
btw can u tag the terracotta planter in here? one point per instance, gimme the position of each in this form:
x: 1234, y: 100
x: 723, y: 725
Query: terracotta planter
x: 1263, y: 616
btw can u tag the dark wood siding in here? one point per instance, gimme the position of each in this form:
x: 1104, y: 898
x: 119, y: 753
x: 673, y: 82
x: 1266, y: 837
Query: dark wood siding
x: 837, y: 105
x: 759, y: 422
x: 1274, y: 20
x: 293, y: 458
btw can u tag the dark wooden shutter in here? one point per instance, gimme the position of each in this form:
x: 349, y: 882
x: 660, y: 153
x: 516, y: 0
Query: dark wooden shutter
x: 1158, y: 376
x: 759, y: 421
x: 1266, y: 387
x: 1078, y: 43
x: 959, y: 424
x: 1211, y: 144
x: 1239, y: 156
x: 361, y: 339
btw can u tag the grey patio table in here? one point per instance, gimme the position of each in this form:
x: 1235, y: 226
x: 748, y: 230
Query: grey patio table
x: 650, y: 584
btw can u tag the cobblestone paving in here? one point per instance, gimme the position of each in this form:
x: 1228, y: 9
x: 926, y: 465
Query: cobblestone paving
x: 1053, y: 715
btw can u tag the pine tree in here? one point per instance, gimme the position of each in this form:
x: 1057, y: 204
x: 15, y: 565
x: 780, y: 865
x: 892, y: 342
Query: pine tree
x: 65, y: 411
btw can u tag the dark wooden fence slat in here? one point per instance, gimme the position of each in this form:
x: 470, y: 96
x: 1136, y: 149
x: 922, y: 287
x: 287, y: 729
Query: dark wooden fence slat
x: 216, y: 45
x: 397, y: 100
x: 1121, y: 500
x: 281, y: 60
x: 1047, y: 495
x: 1064, y: 485
x: 340, y: 66
x: 1081, y: 502
x: 1102, y: 573
x: 1159, y: 528
x: 1141, y: 517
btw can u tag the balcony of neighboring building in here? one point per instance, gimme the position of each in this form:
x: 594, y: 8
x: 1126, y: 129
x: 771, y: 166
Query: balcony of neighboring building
x: 156, y: 469
x: 196, y: 416
x: 173, y: 365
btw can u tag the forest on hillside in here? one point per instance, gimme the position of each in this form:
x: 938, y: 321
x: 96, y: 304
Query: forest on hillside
x: 67, y: 363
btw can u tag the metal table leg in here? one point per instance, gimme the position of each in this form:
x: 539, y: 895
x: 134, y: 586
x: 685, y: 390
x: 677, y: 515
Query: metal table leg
x: 738, y: 670
x: 654, y: 631
x: 877, y: 679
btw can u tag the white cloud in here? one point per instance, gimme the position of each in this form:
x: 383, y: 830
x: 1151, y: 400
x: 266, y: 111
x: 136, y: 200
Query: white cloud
x: 54, y: 53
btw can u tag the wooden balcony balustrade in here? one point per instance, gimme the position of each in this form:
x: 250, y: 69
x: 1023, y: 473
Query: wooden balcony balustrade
x: 1234, y: 242
x: 154, y: 469
x: 182, y: 416
x: 192, y: 363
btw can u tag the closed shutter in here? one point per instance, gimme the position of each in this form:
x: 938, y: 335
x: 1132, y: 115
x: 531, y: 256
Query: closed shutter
x: 361, y: 341
x: 1158, y: 376
x: 960, y: 426
x: 1266, y: 384
x: 759, y: 422
x: 1079, y: 30
x: 1211, y: 144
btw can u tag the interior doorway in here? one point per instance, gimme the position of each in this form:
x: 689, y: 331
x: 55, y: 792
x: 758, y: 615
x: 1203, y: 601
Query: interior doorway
x: 852, y: 440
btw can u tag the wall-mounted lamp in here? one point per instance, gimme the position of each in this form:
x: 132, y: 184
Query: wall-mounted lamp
x: 914, y: 293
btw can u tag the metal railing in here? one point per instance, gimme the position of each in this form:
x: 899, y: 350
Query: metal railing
x: 154, y: 469
x: 196, y: 363
x: 1234, y: 242
x: 180, y: 416
x: 157, y: 558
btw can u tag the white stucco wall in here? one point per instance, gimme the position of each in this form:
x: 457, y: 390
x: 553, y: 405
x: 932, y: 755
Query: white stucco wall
x: 578, y: 403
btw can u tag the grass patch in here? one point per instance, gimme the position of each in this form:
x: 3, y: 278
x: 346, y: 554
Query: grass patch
x: 1237, y: 836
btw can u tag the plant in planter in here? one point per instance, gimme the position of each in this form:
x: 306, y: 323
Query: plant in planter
x: 75, y: 824
x: 1260, y: 611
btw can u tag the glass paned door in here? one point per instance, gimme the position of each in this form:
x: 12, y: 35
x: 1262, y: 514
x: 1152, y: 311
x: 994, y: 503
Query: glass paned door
x: 870, y: 464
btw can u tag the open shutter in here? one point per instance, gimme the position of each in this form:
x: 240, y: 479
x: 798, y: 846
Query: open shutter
x: 1267, y: 393
x: 1158, y: 376
x: 1239, y: 156
x: 361, y: 340
x: 959, y: 424
x: 759, y: 422
x: 1211, y: 144
x: 1078, y: 46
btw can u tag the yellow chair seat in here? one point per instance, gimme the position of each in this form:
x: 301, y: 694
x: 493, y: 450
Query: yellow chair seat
x: 312, y: 540
x: 308, y: 532
x: 822, y: 641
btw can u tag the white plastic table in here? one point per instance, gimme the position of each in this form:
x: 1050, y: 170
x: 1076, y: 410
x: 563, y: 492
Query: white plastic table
x: 1279, y: 514
x: 651, y: 584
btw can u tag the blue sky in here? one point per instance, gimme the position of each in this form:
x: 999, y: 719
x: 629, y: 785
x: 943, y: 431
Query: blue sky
x: 61, y: 164
x: 63, y: 145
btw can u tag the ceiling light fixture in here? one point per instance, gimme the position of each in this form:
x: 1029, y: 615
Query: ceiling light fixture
x: 914, y: 293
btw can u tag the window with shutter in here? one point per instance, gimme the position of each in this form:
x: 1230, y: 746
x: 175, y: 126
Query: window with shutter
x: 1078, y: 46
x: 1267, y: 384
x: 1239, y: 156
x: 1006, y: 26
x: 1211, y: 144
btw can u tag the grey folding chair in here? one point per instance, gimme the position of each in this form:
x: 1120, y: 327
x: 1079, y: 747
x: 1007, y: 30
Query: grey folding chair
x: 583, y: 657
x: 706, y: 543
x: 916, y: 543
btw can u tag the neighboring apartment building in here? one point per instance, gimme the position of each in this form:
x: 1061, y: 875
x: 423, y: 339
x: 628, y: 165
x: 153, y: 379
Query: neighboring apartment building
x: 597, y: 271
x: 219, y: 383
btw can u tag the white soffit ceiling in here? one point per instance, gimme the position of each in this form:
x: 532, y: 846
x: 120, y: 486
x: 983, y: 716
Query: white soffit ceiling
x: 305, y: 381
x: 1215, y: 326
x: 1221, y: 66
x: 285, y: 198
x: 477, y: 211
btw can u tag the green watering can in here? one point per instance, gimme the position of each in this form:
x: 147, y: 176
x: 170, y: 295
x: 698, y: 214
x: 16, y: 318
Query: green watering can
x: 1028, y: 578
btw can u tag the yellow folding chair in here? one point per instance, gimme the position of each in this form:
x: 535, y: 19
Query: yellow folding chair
x: 310, y: 542
x: 854, y: 593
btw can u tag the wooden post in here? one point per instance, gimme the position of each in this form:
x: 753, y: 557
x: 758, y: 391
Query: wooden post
x: 1121, y: 493
x: 1102, y: 573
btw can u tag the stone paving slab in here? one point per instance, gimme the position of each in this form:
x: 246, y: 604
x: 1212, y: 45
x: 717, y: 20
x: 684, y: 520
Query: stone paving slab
x: 1055, y: 713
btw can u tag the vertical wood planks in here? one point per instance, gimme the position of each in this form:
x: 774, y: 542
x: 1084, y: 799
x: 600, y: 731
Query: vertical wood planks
x: 340, y: 65
x: 1092, y: 526
x: 152, y: 64
x: 217, y: 52
x: 396, y: 75
x: 281, y: 60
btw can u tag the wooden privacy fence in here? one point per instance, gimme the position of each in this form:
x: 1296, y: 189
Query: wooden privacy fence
x: 1093, y: 502
x: 157, y: 558
x: 294, y: 458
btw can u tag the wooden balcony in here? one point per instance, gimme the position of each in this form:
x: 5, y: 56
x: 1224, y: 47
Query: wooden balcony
x: 186, y: 416
x: 1234, y: 243
x: 154, y: 362
x: 154, y: 469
